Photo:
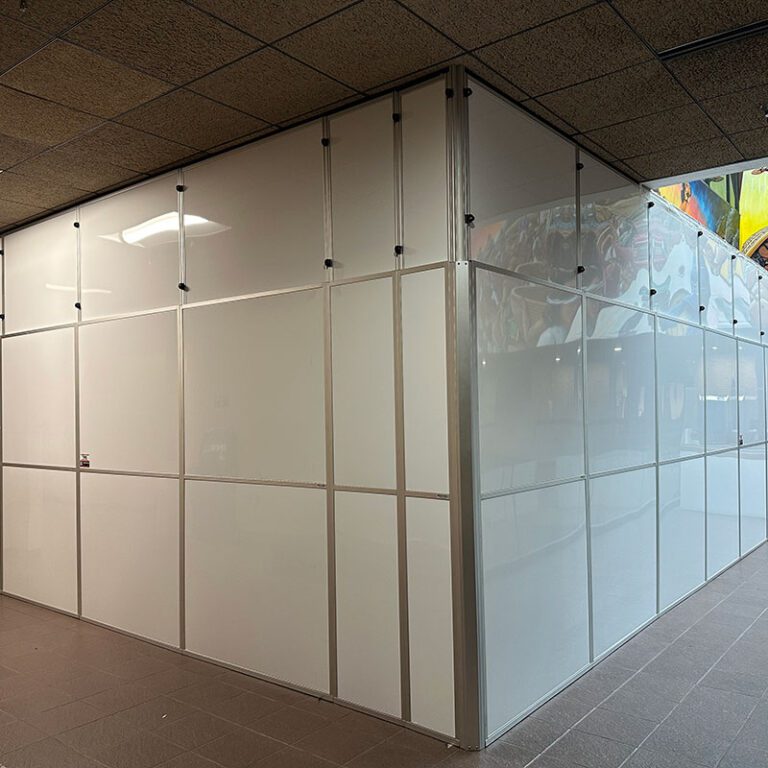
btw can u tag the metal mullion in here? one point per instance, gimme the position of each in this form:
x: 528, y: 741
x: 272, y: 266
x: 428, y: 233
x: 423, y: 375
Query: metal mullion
x: 657, y: 450
x: 587, y: 480
x: 397, y: 153
x: 78, y: 481
x: 181, y: 415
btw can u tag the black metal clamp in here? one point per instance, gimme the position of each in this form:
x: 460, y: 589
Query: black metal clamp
x: 399, y: 250
x: 327, y: 263
x: 469, y: 219
x: 78, y: 305
x: 581, y: 269
x: 183, y: 287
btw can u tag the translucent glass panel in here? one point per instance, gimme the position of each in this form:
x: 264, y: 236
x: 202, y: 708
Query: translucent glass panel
x: 680, y: 380
x: 614, y: 235
x: 722, y: 510
x: 620, y: 387
x: 425, y: 386
x: 623, y: 532
x: 751, y: 393
x: 752, y: 495
x: 534, y: 596
x: 715, y: 283
x: 39, y: 398
x: 363, y: 384
x: 253, y: 218
x: 129, y: 389
x: 130, y: 554
x: 256, y: 560
x: 41, y: 274
x: 363, y: 189
x: 746, y: 299
x: 129, y: 250
x: 430, y: 614
x: 367, y: 617
x: 763, y: 293
x: 254, y: 382
x: 529, y: 382
x: 40, y: 536
x: 681, y: 529
x: 425, y: 182
x: 674, y: 269
x: 722, y: 396
x: 522, y: 191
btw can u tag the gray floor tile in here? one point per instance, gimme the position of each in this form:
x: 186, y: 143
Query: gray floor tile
x: 534, y: 734
x: 638, y: 651
x: 618, y: 726
x: 239, y: 749
x: 564, y: 710
x: 739, y: 756
x: 49, y: 753
x: 195, y: 730
x: 752, y: 684
x: 142, y: 751
x: 588, y: 750
x: 600, y: 682
x: 647, y: 758
x: 755, y: 732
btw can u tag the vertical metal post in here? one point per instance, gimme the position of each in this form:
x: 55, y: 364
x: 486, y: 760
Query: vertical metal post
x: 397, y: 123
x: 181, y: 416
x: 587, y: 481
x: 2, y: 333
x: 78, y: 474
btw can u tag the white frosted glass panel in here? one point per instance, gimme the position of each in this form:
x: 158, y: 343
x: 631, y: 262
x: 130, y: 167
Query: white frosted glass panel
x: 722, y: 511
x: 253, y: 218
x: 614, y: 235
x: 257, y: 580
x: 620, y: 387
x: 41, y: 274
x: 430, y: 614
x: 722, y: 397
x: 39, y: 398
x: 129, y: 250
x: 363, y: 190
x: 752, y: 493
x: 746, y: 299
x: 751, y: 393
x: 680, y: 378
x: 715, y: 283
x: 130, y: 545
x: 623, y: 531
x: 363, y: 384
x: 522, y: 188
x: 534, y: 596
x: 425, y: 396
x: 129, y: 413
x: 254, y: 391
x: 367, y: 618
x: 681, y: 529
x: 674, y: 270
x: 425, y: 186
x: 763, y: 293
x: 40, y: 536
x: 529, y: 383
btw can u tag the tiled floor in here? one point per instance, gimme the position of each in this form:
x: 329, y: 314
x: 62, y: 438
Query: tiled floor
x: 690, y: 690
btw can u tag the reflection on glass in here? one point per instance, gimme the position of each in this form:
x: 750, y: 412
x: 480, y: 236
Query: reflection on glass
x: 529, y: 372
x: 751, y: 394
x: 722, y: 407
x: 722, y: 511
x: 680, y: 378
x: 752, y: 491
x: 715, y: 285
x: 746, y: 300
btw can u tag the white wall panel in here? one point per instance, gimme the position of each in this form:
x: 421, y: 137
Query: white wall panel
x: 751, y: 393
x: 41, y: 274
x: 130, y: 554
x: 722, y: 394
x: 254, y: 388
x: 425, y: 386
x: 534, y: 596
x: 746, y: 299
x: 681, y: 529
x: 367, y: 613
x: 253, y: 218
x: 363, y: 384
x: 39, y: 398
x: 715, y: 283
x: 40, y: 536
x: 129, y: 250
x: 752, y: 496
x: 425, y: 185
x: 363, y: 189
x: 129, y: 385
x: 722, y: 510
x: 257, y: 579
x: 623, y: 531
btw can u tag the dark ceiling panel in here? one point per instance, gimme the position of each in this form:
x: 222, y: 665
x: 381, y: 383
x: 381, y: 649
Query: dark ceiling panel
x: 164, y: 38
x: 490, y: 75
x: 752, y: 144
x: 17, y: 41
x: 14, y: 150
x: 595, y: 149
x: 550, y: 117
x: 271, y: 86
x: 77, y: 78
x: 693, y: 157
x: 373, y: 42
x: 11, y: 212
x: 740, y: 111
x: 22, y: 189
x: 584, y: 45
x: 191, y: 119
x: 53, y: 16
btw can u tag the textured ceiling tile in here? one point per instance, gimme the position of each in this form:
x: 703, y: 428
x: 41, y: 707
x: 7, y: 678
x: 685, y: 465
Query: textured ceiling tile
x: 652, y: 133
x: 271, y: 86
x: 666, y: 23
x: 12, y: 212
x: 473, y: 23
x: 371, y: 43
x: 624, y: 95
x: 270, y: 19
x: 477, y: 67
x: 52, y: 16
x: 240, y: 141
x: 17, y: 41
x: 586, y: 143
x: 129, y: 148
x: 191, y: 119
x: 164, y: 38
x: 76, y: 77
x: 587, y: 44
x: 31, y: 119
x: 547, y: 115
x: 752, y: 144
x: 724, y: 69
x: 740, y: 111
x: 334, y: 107
x: 627, y: 171
x: 695, y: 157
x: 36, y: 192
x: 13, y: 150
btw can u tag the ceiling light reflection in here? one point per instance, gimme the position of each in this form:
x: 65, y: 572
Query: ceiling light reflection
x: 164, y: 229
